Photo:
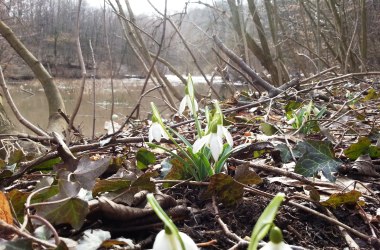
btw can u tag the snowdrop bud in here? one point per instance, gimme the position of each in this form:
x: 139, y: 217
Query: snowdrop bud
x: 276, y: 241
x: 168, y: 241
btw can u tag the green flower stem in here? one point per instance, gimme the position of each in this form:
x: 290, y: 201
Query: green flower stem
x: 165, y: 218
x: 157, y: 116
x: 197, y: 123
x: 265, y: 221
x: 190, y: 91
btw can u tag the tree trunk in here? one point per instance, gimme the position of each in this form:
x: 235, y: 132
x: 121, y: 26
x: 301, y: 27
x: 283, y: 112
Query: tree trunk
x: 56, y: 122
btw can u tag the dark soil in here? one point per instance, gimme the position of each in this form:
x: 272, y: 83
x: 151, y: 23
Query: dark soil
x: 299, y: 228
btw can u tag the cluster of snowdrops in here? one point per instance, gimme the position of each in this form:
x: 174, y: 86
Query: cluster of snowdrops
x: 206, y: 157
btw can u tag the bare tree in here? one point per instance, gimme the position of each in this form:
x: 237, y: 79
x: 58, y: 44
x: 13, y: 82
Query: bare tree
x: 55, y: 101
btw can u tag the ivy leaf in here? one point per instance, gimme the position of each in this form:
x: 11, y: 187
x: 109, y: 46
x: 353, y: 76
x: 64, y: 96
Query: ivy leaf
x: 144, y: 181
x: 66, y: 189
x: 144, y: 158
x: 362, y: 147
x: 65, y: 206
x: 317, y: 156
x: 47, y: 165
x: 285, y: 154
x: 88, y: 170
x: 72, y: 211
x: 110, y: 185
x: 18, y: 199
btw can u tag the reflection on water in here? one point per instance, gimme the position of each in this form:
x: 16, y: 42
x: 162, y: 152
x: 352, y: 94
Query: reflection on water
x: 32, y: 104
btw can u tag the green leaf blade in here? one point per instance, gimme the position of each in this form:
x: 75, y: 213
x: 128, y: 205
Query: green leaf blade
x: 318, y: 156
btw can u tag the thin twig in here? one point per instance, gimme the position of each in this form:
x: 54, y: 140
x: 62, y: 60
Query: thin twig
x: 15, y: 110
x: 111, y: 67
x: 224, y: 227
x: 93, y: 91
x: 189, y: 50
x: 318, y: 75
x: 282, y: 172
x: 349, y: 240
x: 84, y: 73
x: 152, y: 66
x: 6, y: 227
x: 48, y: 225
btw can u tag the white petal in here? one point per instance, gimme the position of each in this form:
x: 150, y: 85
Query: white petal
x: 272, y: 246
x: 150, y: 134
x: 156, y: 131
x: 188, y: 101
x: 219, y: 130
x: 163, y: 133
x: 170, y: 242
x: 195, y: 105
x: 228, y: 136
x: 216, y: 146
x: 182, y: 105
x: 189, y: 104
x: 198, y: 144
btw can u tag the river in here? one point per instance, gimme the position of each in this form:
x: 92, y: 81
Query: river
x: 32, y: 104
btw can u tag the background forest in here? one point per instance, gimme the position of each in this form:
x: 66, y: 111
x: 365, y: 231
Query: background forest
x: 280, y: 38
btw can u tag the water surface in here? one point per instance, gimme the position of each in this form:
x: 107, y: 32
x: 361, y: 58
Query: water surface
x: 32, y: 104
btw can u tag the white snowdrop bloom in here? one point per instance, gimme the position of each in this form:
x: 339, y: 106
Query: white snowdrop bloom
x: 186, y: 101
x: 156, y: 132
x: 276, y: 246
x: 223, y: 132
x: 214, y: 141
x: 166, y: 241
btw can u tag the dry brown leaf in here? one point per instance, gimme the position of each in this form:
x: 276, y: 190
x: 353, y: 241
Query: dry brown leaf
x: 5, y: 210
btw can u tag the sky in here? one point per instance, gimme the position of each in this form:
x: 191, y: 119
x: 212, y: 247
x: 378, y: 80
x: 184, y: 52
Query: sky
x: 142, y: 6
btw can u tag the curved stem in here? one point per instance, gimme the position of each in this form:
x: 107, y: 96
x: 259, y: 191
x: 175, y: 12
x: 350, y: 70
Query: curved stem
x: 165, y: 218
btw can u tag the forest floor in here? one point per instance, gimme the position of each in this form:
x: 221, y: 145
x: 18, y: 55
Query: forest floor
x: 322, y: 152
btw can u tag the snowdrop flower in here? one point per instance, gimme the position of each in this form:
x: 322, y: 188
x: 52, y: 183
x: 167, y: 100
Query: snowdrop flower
x: 186, y: 101
x: 214, y: 140
x: 276, y: 246
x: 168, y: 241
x: 276, y: 241
x: 189, y: 99
x: 156, y: 132
x: 157, y: 129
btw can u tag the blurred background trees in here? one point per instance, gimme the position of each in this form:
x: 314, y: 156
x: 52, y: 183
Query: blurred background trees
x: 278, y: 38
